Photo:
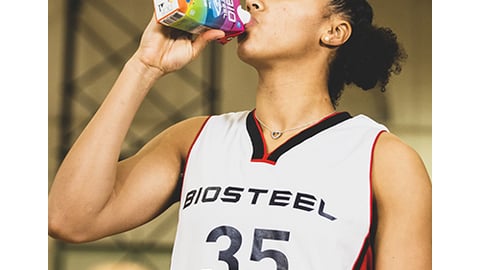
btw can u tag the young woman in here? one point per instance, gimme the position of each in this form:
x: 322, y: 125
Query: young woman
x: 292, y: 184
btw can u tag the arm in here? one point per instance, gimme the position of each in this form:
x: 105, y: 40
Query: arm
x: 403, y: 195
x: 93, y: 195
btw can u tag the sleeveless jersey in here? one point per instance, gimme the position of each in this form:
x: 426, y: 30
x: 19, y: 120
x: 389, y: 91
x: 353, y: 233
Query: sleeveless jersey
x: 305, y: 206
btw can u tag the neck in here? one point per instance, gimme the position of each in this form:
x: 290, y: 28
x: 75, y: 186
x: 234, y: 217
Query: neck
x: 292, y: 95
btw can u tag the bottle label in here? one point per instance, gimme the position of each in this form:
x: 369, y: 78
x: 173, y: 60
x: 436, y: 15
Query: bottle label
x: 198, y: 16
x: 170, y: 19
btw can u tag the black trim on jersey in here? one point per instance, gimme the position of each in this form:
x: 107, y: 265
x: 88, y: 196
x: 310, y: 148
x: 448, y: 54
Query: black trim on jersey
x: 255, y: 137
x: 253, y: 129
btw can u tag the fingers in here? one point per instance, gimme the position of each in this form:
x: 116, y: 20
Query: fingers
x: 213, y: 34
x: 203, y: 39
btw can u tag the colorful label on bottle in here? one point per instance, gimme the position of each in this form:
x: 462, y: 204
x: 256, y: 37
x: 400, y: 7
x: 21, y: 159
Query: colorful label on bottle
x: 196, y: 16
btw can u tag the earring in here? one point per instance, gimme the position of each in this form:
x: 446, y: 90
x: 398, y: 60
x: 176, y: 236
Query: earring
x: 326, y: 38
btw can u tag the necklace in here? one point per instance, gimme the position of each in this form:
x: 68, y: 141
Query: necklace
x: 275, y: 134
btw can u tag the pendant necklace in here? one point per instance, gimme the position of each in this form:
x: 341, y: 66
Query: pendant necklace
x: 275, y: 134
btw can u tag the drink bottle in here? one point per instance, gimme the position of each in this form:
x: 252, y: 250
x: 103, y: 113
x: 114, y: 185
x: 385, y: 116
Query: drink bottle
x: 197, y: 16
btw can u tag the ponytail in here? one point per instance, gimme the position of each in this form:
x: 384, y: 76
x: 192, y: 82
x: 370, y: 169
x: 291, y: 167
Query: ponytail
x: 370, y: 55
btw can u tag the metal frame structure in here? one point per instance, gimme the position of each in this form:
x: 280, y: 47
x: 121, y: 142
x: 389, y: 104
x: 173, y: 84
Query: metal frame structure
x: 114, y: 58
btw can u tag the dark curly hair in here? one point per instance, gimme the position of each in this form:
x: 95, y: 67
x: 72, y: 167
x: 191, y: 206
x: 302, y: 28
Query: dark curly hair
x: 369, y: 56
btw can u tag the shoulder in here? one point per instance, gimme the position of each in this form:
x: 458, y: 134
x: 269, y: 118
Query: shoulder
x: 362, y: 120
x: 183, y: 134
x: 216, y: 127
x: 392, y: 155
x: 173, y: 142
x: 397, y: 166
x: 195, y: 124
x: 230, y: 118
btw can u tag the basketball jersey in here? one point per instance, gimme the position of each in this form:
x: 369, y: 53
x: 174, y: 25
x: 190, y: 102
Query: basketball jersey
x: 305, y: 206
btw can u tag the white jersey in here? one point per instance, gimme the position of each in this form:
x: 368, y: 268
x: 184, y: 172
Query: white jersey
x: 305, y: 206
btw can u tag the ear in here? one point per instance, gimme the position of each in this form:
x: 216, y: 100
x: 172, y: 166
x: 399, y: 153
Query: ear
x: 337, y: 34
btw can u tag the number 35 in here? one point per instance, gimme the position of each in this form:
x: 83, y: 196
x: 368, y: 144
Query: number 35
x: 257, y: 253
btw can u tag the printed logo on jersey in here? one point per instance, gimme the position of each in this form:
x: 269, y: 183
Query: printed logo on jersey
x: 253, y: 196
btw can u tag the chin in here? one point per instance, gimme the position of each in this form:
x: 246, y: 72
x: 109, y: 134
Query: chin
x: 254, y: 52
x: 246, y: 48
x: 244, y: 53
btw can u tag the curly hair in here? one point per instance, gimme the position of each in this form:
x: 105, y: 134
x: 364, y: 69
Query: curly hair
x: 369, y: 56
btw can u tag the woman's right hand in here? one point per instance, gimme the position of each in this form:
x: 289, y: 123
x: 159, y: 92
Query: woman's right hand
x: 163, y: 49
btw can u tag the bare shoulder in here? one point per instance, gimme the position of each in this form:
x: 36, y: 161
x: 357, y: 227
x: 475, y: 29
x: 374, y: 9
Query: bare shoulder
x: 398, y: 172
x: 403, y: 192
x: 179, y: 137
x: 397, y: 163
x: 186, y: 132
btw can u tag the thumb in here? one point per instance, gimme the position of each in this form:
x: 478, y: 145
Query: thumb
x: 204, y: 38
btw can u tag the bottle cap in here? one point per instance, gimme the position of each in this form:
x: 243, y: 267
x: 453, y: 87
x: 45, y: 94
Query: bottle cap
x: 244, y: 15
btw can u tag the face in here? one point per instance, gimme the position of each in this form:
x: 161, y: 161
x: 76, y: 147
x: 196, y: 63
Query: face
x: 282, y: 29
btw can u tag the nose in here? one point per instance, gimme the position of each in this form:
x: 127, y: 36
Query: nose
x: 254, y: 5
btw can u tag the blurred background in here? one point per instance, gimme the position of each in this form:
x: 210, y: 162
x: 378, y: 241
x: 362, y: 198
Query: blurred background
x: 90, y: 40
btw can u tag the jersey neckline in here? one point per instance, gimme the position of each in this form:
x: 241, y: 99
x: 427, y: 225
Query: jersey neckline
x: 260, y: 153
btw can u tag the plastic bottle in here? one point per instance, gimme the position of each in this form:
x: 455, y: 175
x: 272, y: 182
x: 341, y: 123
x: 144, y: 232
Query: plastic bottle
x: 197, y: 16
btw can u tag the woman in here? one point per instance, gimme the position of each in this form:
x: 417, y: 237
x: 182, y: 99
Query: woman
x: 292, y: 184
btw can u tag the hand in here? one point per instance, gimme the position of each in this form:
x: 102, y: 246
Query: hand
x: 164, y: 49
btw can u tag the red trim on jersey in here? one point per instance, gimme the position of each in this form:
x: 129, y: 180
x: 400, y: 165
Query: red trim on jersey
x: 365, y: 259
x: 264, y: 160
x: 367, y: 263
x: 190, y: 150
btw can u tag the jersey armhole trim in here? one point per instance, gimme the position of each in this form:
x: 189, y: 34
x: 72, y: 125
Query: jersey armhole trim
x: 182, y: 176
x: 365, y: 259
